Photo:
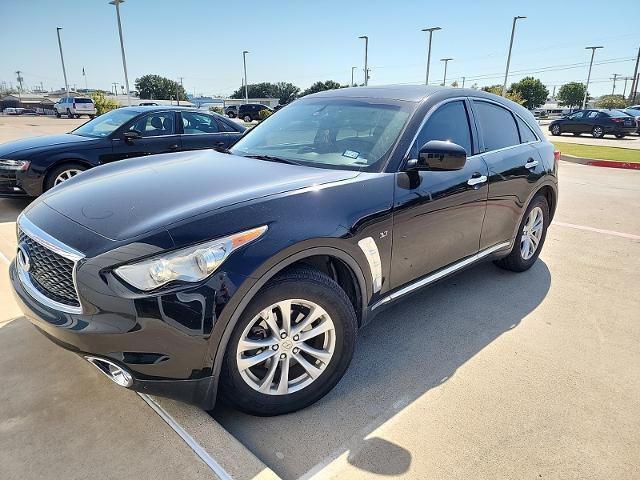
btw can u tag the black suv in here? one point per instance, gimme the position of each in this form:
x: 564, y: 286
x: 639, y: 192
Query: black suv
x: 248, y: 273
x: 251, y: 111
x: 596, y: 122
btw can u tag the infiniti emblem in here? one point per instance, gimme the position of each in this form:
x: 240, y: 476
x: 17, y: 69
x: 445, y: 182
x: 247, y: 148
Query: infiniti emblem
x: 23, y: 257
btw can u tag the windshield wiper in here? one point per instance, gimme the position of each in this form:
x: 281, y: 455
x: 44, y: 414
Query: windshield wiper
x: 271, y: 158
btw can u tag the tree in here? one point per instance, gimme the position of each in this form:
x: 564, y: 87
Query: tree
x: 497, y: 90
x: 285, y: 92
x: 159, y: 88
x: 102, y: 103
x: 321, y: 87
x: 571, y: 94
x: 532, y: 91
x: 454, y: 83
x: 611, y: 101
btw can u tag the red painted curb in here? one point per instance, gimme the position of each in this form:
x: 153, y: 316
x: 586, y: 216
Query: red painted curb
x: 602, y: 163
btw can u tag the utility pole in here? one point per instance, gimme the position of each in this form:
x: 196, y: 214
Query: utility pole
x: 446, y: 61
x: 506, y: 73
x: 430, y: 30
x: 634, y: 83
x: 366, y: 59
x: 615, y: 77
x: 19, y: 78
x: 86, y: 86
x: 624, y: 90
x: 586, y: 90
x: 463, y: 79
x: 124, y: 58
x: 64, y: 70
x: 246, y: 84
x: 352, y: 70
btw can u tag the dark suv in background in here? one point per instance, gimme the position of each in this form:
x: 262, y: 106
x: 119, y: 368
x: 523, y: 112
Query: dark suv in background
x: 598, y: 123
x: 251, y: 111
x: 254, y: 269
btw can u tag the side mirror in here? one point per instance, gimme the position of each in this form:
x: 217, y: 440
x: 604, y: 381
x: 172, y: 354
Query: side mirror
x: 439, y: 155
x: 131, y: 135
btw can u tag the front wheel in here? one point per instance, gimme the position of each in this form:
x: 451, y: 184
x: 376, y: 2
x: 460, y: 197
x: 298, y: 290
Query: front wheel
x: 58, y: 114
x: 62, y: 173
x: 91, y: 117
x: 597, y: 132
x: 247, y: 118
x: 555, y: 130
x: 530, y: 238
x: 291, y: 345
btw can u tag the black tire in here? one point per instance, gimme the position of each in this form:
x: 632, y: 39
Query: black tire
x: 577, y: 134
x: 58, y: 115
x: 77, y: 115
x: 620, y: 135
x: 50, y: 179
x: 304, y: 284
x: 91, y: 117
x: 247, y: 118
x: 69, y: 114
x: 555, y: 130
x: 597, y: 132
x: 231, y: 115
x: 514, y: 261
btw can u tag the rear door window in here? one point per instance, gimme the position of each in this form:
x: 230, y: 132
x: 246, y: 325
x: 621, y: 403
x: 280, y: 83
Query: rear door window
x: 498, y: 126
x: 198, y: 123
x: 155, y: 124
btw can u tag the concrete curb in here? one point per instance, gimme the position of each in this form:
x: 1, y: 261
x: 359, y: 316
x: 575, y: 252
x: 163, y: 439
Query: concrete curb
x: 601, y: 163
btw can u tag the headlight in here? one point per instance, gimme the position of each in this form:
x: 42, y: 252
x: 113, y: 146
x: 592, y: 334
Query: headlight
x: 190, y: 264
x: 7, y: 164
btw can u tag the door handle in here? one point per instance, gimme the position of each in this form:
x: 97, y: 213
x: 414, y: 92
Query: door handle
x: 476, y: 180
x: 531, y: 163
x: 173, y: 147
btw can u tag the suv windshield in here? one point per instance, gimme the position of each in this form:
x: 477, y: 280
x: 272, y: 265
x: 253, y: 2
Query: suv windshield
x: 331, y: 133
x: 105, y: 124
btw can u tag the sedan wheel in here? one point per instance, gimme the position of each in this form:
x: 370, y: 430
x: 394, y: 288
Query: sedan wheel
x: 66, y: 175
x: 286, y: 347
x: 532, y: 233
x: 597, y: 132
x: 555, y: 130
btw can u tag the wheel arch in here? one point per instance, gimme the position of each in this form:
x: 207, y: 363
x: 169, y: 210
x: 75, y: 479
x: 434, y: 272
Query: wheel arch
x: 61, y: 161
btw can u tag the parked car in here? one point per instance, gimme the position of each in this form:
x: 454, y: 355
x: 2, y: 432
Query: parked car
x: 74, y: 107
x: 251, y: 111
x: 147, y: 104
x: 248, y: 273
x: 634, y: 112
x: 596, y: 122
x: 10, y: 111
x: 31, y: 166
x: 231, y: 111
x: 29, y: 111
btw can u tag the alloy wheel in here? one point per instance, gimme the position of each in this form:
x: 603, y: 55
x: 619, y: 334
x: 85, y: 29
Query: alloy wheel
x: 532, y: 233
x: 66, y: 175
x: 286, y: 347
x: 555, y: 130
x: 597, y: 132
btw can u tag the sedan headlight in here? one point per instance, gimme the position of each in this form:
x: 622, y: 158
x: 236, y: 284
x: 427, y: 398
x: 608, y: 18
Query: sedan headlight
x: 190, y: 264
x: 7, y: 164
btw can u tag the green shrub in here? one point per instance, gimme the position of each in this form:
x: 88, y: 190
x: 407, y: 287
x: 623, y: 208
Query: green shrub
x: 103, y: 104
x: 611, y: 101
x: 264, y: 114
x: 218, y: 110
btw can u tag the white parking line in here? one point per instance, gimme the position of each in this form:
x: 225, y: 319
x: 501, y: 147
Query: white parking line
x: 195, y: 446
x: 4, y: 257
x: 598, y: 230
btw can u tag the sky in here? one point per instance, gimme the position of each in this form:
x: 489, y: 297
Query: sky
x: 306, y: 41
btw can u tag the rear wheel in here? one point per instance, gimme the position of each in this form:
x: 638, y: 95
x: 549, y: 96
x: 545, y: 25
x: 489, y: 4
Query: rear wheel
x: 597, y: 132
x: 620, y: 135
x: 231, y: 115
x: 530, y: 238
x: 92, y: 116
x: 555, y: 130
x: 69, y: 114
x: 63, y: 173
x: 291, y: 345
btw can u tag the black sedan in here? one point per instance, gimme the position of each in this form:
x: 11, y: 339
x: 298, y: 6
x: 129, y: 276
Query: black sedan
x: 598, y: 123
x: 250, y: 272
x: 30, y: 167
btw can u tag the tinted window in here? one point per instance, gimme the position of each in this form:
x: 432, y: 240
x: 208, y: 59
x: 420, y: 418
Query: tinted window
x: 449, y: 123
x: 106, y: 123
x: 498, y: 126
x: 226, y: 127
x: 84, y: 100
x: 592, y: 114
x: 198, y: 123
x: 616, y: 114
x: 576, y: 116
x: 526, y: 134
x: 155, y: 124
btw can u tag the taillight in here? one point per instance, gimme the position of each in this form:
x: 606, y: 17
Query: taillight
x: 556, y: 155
x: 74, y: 104
x: 618, y: 120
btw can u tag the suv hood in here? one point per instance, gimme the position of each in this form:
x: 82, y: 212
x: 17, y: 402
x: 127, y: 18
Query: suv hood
x: 133, y: 197
x: 19, y: 146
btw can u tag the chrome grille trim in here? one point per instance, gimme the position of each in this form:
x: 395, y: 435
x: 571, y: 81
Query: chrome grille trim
x: 41, y: 237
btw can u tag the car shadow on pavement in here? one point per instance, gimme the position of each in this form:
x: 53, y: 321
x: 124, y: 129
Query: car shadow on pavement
x: 10, y: 208
x: 403, y: 353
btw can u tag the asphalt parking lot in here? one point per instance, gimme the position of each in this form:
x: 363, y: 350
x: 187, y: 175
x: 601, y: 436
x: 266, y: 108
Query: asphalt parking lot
x: 488, y: 374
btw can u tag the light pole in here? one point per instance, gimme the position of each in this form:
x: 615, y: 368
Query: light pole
x: 446, y: 62
x: 430, y: 30
x: 366, y: 64
x: 124, y: 58
x: 246, y: 86
x: 586, y: 89
x: 506, y: 73
x: 64, y: 70
x: 352, y: 70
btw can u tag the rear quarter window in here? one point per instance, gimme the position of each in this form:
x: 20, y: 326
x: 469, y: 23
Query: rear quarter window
x: 526, y: 134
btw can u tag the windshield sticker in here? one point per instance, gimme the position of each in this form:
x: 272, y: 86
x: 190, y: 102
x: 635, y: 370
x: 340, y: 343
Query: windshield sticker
x: 351, y: 154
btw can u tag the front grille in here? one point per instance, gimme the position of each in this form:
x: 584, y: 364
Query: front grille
x: 50, y: 273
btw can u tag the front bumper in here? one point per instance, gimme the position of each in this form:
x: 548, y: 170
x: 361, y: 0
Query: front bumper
x: 161, y: 340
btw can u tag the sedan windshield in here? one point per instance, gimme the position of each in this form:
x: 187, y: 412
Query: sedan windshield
x: 105, y: 124
x: 331, y: 133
